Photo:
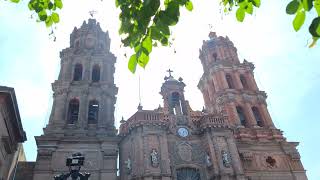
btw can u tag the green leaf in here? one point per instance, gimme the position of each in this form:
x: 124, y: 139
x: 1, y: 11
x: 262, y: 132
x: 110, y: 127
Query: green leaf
x: 163, y: 28
x: 155, y: 33
x: 50, y: 5
x: 164, y: 41
x: 15, y: 1
x: 132, y: 64
x: 314, y: 28
x: 299, y: 20
x: 49, y: 21
x: 292, y: 7
x: 240, y: 14
x: 189, y: 5
x: 55, y: 17
x: 151, y: 7
x: 307, y: 4
x: 58, y: 4
x: 249, y: 8
x: 143, y: 59
x: 256, y: 3
x: 147, y: 44
x: 317, y: 6
x: 42, y: 15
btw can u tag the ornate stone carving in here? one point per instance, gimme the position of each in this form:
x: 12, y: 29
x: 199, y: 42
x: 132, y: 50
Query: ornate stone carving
x: 128, y: 165
x: 226, y: 158
x: 185, y: 152
x: 154, y: 158
x: 208, y: 160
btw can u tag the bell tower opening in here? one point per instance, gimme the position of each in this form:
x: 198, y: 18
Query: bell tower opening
x: 73, y: 112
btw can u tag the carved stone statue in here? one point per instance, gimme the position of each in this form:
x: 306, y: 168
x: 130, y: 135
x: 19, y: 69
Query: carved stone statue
x: 226, y: 158
x: 154, y: 158
x: 128, y: 164
x: 208, y: 160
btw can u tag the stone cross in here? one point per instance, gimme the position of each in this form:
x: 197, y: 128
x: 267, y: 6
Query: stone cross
x: 169, y: 71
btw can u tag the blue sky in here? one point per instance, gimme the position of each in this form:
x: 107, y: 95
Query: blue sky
x: 285, y: 68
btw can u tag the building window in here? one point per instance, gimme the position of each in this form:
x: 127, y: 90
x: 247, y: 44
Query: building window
x: 257, y: 116
x: 229, y: 81
x: 77, y: 75
x: 95, y: 73
x: 214, y: 56
x: 73, y: 112
x: 243, y: 81
x: 93, y: 112
x: 241, y: 116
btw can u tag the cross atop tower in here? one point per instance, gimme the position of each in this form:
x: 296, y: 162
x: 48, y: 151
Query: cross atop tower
x: 169, y: 71
x: 92, y: 13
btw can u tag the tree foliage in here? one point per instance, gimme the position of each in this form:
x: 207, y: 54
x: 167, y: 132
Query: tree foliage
x: 147, y: 23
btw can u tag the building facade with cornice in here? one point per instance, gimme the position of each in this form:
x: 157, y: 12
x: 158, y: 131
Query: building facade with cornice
x: 232, y: 138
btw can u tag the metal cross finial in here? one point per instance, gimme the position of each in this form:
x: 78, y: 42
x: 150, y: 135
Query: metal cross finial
x: 169, y: 71
x: 92, y: 13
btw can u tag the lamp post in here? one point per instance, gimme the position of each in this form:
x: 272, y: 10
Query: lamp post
x: 74, y: 163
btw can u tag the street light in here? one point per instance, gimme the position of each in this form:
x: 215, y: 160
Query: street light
x: 74, y: 163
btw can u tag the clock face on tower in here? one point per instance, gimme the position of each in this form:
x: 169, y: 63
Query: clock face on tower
x: 183, y: 132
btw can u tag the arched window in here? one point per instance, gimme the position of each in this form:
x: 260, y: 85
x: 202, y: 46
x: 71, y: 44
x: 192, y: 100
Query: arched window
x: 95, y: 73
x: 241, y: 116
x: 77, y: 75
x: 93, y: 112
x: 73, y: 111
x: 257, y: 116
x: 244, y: 82
x: 214, y: 56
x: 175, y: 103
x: 229, y: 81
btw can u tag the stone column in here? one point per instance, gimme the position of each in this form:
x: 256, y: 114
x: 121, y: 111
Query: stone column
x: 223, y: 80
x: 217, y: 149
x: 215, y: 81
x: 164, y: 155
x: 213, y: 156
x: 251, y: 82
x: 266, y: 116
x: 236, y: 162
x: 83, y: 121
x: 238, y: 83
x: 232, y: 114
x: 249, y: 114
x: 59, y: 110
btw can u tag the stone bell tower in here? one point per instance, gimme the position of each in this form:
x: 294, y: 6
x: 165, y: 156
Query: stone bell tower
x: 228, y: 87
x: 82, y: 116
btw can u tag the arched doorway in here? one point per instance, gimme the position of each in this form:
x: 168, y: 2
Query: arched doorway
x: 188, y: 174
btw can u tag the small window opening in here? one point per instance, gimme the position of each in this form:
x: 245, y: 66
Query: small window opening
x: 241, y: 116
x: 257, y: 116
x: 73, y: 111
x: 229, y: 81
x: 77, y: 76
x: 96, y: 73
x: 214, y: 55
x: 93, y: 112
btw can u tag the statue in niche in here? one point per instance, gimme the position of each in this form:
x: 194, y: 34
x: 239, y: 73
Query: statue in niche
x: 226, y: 159
x: 154, y: 158
x: 128, y: 165
x: 208, y: 160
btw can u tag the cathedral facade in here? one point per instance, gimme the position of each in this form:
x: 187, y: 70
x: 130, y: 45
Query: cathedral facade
x: 232, y: 138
